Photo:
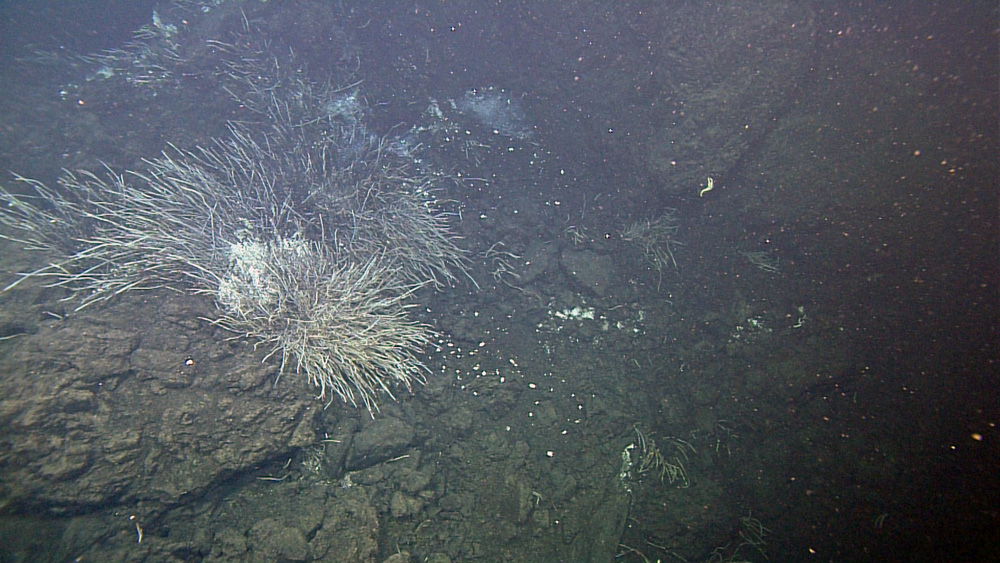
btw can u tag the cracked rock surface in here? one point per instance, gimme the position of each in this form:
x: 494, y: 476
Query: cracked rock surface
x: 138, y: 403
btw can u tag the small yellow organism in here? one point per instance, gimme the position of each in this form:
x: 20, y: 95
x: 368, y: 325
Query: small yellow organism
x: 708, y: 188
